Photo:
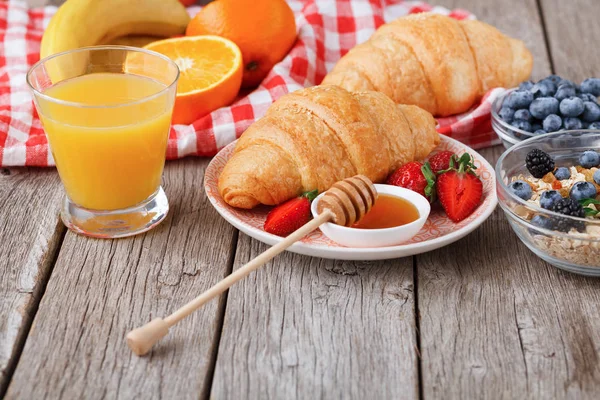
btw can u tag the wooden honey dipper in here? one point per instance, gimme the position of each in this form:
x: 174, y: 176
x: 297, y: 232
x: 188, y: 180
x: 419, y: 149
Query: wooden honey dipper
x: 344, y: 203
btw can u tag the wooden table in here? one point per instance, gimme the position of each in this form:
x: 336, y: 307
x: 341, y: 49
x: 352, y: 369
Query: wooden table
x: 482, y: 318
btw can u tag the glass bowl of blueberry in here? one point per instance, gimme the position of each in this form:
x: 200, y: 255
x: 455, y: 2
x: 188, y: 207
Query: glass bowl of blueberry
x: 549, y: 189
x: 553, y: 104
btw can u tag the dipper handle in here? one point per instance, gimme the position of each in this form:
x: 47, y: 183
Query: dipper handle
x: 345, y: 203
x: 141, y: 340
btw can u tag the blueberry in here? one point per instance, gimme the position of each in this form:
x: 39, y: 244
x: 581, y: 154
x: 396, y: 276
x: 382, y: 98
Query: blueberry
x: 564, y: 92
x: 539, y: 132
x: 552, y: 123
x: 544, y: 88
x: 571, y: 107
x: 588, y: 97
x: 549, y: 198
x: 591, y: 111
x: 522, y: 115
x: 527, y: 85
x: 594, y: 125
x: 523, y: 125
x: 582, y: 191
x: 589, y: 159
x: 585, y: 124
x: 536, y: 125
x: 542, y: 222
x: 591, y: 85
x: 562, y: 173
x: 566, y: 82
x: 519, y: 99
x: 552, y: 78
x: 506, y: 113
x: 571, y: 123
x: 521, y: 189
x: 597, y: 177
x: 541, y: 107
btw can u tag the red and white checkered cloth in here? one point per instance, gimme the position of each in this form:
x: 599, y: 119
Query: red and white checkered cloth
x: 327, y: 30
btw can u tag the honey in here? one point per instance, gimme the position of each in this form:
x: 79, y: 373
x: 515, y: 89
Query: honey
x: 388, y: 212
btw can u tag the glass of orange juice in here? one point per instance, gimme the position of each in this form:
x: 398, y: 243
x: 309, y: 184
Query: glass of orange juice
x: 107, y: 113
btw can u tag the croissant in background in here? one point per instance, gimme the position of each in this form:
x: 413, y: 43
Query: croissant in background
x: 314, y: 137
x: 435, y: 62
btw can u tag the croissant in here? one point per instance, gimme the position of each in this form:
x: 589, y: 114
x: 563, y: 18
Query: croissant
x: 314, y: 137
x: 435, y: 62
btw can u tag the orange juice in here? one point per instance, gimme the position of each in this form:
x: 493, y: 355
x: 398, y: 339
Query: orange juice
x: 110, y: 147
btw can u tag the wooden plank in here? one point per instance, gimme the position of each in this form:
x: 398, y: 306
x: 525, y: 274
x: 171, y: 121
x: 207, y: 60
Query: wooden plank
x: 30, y: 234
x: 101, y: 289
x: 572, y: 35
x: 497, y: 322
x: 304, y: 328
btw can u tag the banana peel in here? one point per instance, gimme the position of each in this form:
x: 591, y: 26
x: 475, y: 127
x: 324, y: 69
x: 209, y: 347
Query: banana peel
x: 80, y: 23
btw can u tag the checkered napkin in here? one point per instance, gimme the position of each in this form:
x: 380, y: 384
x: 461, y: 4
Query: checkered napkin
x: 327, y: 30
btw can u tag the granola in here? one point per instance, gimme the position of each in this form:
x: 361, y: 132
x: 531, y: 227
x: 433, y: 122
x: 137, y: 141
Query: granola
x: 581, y: 248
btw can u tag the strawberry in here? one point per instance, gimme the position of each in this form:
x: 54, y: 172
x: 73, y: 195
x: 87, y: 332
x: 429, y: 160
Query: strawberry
x: 416, y: 177
x: 291, y: 215
x: 440, y: 161
x: 459, y: 189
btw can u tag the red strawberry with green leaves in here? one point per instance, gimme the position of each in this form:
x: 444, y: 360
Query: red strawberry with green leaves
x: 441, y: 161
x: 459, y: 188
x: 416, y: 177
x: 291, y: 215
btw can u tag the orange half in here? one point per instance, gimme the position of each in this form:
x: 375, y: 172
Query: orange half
x: 211, y: 72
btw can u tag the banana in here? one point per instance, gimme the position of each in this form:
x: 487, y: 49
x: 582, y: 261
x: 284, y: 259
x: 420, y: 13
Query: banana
x: 80, y: 23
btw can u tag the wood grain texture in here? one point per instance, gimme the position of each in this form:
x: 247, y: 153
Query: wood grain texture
x: 497, y: 322
x: 30, y: 234
x: 100, y: 289
x: 309, y: 328
x: 572, y: 34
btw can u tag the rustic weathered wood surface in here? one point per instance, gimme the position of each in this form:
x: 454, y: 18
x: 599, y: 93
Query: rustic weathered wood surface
x: 100, y: 289
x: 30, y: 234
x: 305, y: 327
x: 482, y: 318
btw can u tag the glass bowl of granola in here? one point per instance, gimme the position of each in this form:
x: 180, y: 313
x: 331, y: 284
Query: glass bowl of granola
x: 549, y: 189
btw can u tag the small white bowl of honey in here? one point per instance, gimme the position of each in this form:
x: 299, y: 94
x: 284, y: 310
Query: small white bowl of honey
x: 397, y: 215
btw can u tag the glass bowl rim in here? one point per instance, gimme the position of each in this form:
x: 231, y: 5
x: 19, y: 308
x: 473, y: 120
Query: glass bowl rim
x: 525, y: 203
x: 97, y: 48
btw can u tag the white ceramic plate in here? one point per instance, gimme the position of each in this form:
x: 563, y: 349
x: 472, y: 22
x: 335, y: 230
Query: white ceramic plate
x: 438, y: 231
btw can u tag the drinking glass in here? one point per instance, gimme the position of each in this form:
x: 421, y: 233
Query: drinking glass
x: 107, y: 113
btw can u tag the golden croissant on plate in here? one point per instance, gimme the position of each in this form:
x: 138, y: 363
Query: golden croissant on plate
x: 312, y: 138
x: 435, y: 62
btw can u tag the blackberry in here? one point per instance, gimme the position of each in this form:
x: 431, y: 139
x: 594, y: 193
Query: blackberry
x: 570, y: 207
x: 539, y: 163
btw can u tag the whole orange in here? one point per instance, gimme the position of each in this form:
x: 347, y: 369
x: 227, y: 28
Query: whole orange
x: 264, y: 30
